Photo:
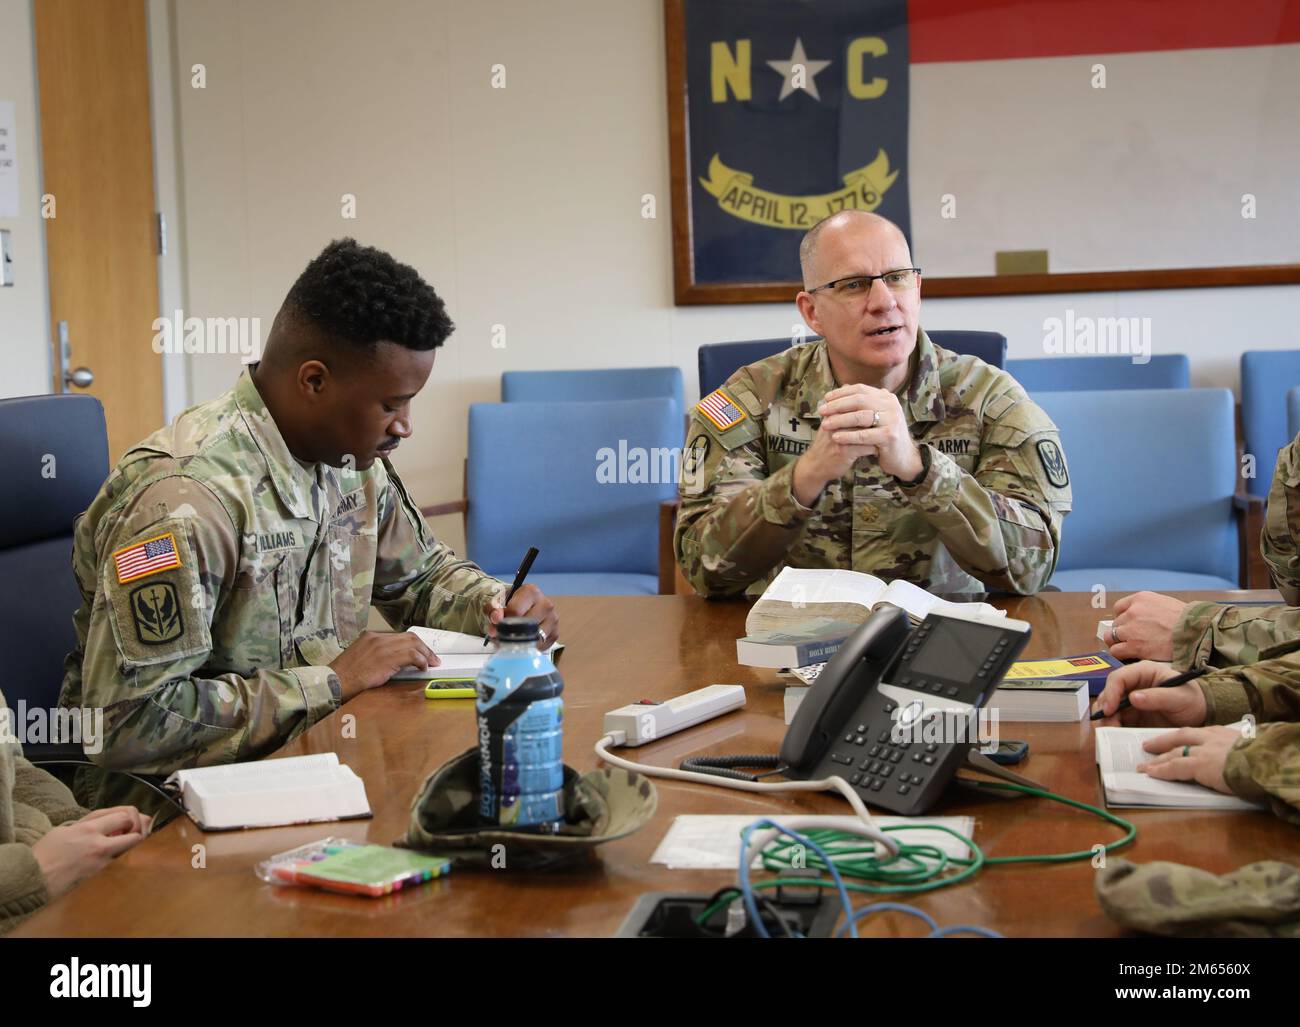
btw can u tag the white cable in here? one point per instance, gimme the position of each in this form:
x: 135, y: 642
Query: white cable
x: 759, y: 840
x: 868, y: 830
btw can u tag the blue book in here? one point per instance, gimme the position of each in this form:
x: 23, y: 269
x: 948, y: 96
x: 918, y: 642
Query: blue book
x: 1093, y: 668
x: 816, y: 641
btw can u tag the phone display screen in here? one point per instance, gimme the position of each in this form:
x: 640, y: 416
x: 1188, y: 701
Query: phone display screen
x: 955, y: 650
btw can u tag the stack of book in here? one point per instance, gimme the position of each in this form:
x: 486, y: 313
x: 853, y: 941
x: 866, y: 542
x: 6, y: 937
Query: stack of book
x: 805, y: 615
x: 1051, y: 690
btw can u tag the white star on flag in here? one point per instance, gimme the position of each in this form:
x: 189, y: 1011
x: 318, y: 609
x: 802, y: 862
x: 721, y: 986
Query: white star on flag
x: 798, y: 59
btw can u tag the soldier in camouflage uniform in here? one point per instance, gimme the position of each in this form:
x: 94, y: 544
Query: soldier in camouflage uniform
x: 228, y: 565
x: 1261, y: 763
x: 1148, y: 625
x: 873, y: 450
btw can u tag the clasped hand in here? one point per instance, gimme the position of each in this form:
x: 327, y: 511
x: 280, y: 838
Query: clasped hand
x: 857, y: 421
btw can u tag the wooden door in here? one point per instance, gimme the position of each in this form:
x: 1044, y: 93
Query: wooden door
x: 92, y: 62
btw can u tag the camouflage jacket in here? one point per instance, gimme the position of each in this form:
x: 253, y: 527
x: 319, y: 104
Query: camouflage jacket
x: 31, y: 803
x: 986, y: 515
x: 220, y: 576
x: 1259, y: 900
x: 1265, y: 768
x: 1211, y: 633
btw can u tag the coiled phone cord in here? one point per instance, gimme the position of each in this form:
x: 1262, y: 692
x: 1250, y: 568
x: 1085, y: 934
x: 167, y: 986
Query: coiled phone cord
x: 725, y: 766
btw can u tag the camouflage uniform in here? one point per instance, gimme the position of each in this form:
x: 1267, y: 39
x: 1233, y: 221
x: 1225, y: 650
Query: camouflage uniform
x: 1259, y: 900
x: 985, y: 516
x: 1211, y: 633
x: 263, y: 570
x: 1256, y: 653
x: 1265, y: 768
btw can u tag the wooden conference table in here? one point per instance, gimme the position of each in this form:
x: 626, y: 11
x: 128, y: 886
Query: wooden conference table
x: 620, y: 650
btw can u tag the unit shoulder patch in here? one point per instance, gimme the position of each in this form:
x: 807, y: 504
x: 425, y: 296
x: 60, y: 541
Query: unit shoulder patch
x: 156, y: 611
x: 162, y: 614
x: 1049, y: 453
x: 694, y: 455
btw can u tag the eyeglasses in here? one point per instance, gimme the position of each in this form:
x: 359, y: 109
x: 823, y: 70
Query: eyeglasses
x: 900, y: 280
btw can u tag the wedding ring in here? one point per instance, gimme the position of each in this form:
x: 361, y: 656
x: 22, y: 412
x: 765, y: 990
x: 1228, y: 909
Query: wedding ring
x: 1186, y: 749
x: 875, y: 418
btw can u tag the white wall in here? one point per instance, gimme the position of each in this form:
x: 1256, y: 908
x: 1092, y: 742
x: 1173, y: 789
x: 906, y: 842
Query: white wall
x: 521, y: 206
x: 24, y: 306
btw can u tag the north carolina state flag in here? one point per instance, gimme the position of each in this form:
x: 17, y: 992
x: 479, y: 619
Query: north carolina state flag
x: 1200, y: 107
x: 1114, y: 134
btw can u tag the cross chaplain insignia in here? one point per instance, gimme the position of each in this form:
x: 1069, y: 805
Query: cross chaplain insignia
x: 794, y: 112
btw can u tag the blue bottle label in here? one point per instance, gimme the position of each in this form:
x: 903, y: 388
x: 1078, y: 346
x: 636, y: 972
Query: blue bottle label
x: 520, y: 739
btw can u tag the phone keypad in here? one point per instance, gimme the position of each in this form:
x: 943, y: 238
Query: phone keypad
x: 885, y: 761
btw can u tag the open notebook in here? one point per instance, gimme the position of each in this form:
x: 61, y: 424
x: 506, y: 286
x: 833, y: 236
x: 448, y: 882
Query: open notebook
x: 1119, y: 751
x: 459, y: 655
x: 271, y: 793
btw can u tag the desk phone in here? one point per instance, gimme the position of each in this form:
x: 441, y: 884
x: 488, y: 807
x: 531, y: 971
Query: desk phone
x: 888, y: 676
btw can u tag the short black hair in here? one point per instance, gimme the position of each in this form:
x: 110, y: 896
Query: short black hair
x: 361, y: 295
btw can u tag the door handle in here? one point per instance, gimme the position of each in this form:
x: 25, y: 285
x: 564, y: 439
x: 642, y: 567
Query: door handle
x: 82, y: 377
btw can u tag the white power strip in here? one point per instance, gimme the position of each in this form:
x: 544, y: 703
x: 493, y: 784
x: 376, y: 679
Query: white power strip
x: 647, y: 720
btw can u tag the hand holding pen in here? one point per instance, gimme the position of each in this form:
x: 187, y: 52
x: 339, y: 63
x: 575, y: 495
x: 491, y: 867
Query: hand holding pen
x: 1150, y: 694
x: 527, y: 601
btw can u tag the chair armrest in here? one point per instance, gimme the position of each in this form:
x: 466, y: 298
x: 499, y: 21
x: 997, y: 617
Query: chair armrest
x: 459, y: 506
x: 1249, y: 511
x: 667, y: 558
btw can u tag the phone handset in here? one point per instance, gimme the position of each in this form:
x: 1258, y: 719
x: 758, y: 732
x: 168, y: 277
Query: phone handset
x: 846, y: 678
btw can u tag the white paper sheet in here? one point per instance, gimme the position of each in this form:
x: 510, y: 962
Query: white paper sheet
x: 713, y: 842
x: 8, y: 162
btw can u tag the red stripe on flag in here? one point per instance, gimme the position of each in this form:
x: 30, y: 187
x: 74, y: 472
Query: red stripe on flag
x: 974, y: 30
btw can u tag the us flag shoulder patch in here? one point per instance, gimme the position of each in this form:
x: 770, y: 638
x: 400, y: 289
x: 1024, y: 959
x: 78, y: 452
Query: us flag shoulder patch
x: 721, y: 409
x: 148, y: 557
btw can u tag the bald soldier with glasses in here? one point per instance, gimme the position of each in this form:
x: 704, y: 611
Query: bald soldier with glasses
x: 871, y: 450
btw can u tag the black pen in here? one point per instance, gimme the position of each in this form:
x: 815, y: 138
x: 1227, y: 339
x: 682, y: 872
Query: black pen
x: 1177, y: 679
x: 520, y: 574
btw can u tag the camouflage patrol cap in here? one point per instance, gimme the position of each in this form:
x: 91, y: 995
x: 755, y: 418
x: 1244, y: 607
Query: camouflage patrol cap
x: 599, y: 807
x: 1259, y: 900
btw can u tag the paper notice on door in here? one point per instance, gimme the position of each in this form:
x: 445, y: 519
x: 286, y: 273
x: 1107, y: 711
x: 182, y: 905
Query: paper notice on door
x: 8, y: 162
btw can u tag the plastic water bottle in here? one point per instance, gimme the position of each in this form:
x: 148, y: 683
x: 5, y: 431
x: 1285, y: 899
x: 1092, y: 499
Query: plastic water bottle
x: 520, y: 731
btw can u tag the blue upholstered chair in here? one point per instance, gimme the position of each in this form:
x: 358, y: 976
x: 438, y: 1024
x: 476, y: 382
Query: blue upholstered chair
x: 1266, y: 376
x: 54, y: 457
x: 584, y: 482
x: 1090, y: 373
x: 718, y: 361
x: 990, y: 347
x: 597, y: 384
x: 1154, y: 476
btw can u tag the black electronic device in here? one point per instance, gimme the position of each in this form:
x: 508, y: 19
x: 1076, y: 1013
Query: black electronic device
x: 894, y: 711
